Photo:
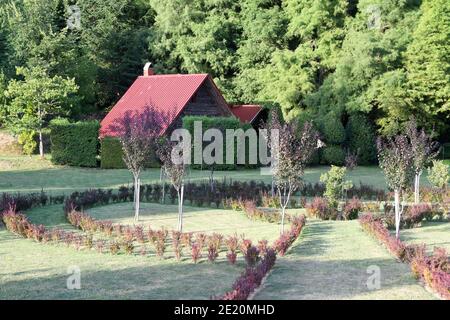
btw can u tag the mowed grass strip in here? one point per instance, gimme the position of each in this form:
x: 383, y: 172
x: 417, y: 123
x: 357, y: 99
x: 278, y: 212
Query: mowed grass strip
x: 433, y: 234
x: 331, y: 261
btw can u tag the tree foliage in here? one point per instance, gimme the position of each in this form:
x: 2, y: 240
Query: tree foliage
x: 385, y: 59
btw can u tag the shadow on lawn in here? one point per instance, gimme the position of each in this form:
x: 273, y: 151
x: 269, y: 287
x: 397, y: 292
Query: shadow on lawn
x: 340, y: 279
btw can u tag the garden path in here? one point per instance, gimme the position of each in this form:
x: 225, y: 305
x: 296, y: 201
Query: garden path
x: 333, y: 260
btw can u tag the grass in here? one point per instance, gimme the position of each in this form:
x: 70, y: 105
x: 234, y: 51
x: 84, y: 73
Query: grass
x: 331, y: 261
x: 30, y: 174
x: 433, y: 234
x: 29, y: 270
x: 205, y: 220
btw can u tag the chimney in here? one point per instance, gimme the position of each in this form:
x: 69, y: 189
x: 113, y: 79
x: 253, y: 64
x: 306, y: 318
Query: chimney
x: 148, y: 70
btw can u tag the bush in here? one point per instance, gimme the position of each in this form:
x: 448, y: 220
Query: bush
x: 333, y: 154
x: 361, y: 138
x: 111, y: 155
x: 352, y: 208
x: 74, y: 144
x: 251, y: 278
x: 27, y: 140
x: 220, y: 123
x: 332, y: 129
x: 319, y: 208
x: 335, y: 185
x: 438, y: 174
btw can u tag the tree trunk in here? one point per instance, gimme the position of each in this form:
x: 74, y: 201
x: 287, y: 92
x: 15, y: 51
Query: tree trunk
x: 41, y: 145
x: 417, y: 188
x: 180, y: 208
x: 283, y: 212
x: 397, y: 212
x: 137, y: 188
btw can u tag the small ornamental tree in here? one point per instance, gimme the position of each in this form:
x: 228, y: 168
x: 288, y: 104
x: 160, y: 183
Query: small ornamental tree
x: 137, y: 132
x: 291, y: 152
x: 438, y: 174
x: 397, y: 161
x: 174, y: 157
x: 424, y: 150
x: 335, y: 185
x: 33, y: 101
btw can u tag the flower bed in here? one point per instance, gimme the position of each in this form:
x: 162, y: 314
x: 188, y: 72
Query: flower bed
x: 434, y: 270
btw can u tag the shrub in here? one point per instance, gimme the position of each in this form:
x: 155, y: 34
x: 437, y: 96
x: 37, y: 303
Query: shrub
x: 251, y: 278
x: 74, y: 144
x: 200, y: 239
x: 186, y: 239
x: 319, y: 208
x: 114, y: 247
x: 333, y: 154
x: 252, y: 256
x: 361, y: 138
x: 283, y: 243
x: 335, y: 185
x: 438, y: 174
x: 128, y: 246
x: 232, y: 243
x: 196, y: 252
x: 332, y: 129
x: 27, y: 140
x: 111, y: 155
x: 176, y: 243
x: 263, y: 247
x: 160, y: 242
x: 352, y: 208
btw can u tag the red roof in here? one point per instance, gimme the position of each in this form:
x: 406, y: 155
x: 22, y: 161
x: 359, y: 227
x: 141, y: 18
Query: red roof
x: 246, y: 112
x: 166, y: 93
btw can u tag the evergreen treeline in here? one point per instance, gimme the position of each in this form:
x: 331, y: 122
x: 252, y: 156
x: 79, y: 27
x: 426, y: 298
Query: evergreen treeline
x: 342, y: 63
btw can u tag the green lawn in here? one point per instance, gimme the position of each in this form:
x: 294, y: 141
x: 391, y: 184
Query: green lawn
x: 30, y: 174
x: 433, y: 234
x: 205, y: 220
x: 330, y: 261
x: 29, y: 270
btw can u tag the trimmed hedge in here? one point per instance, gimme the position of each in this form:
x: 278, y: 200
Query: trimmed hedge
x: 111, y: 155
x: 221, y: 123
x: 74, y: 144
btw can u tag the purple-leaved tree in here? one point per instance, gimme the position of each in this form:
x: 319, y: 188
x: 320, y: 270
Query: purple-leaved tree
x: 138, y: 131
x: 396, y: 159
x: 291, y: 153
x: 424, y: 150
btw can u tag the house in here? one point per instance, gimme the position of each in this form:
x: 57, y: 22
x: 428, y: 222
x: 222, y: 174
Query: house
x: 177, y: 95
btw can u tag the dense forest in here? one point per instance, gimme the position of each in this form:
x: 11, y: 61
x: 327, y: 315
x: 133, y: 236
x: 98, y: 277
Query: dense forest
x: 341, y: 63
